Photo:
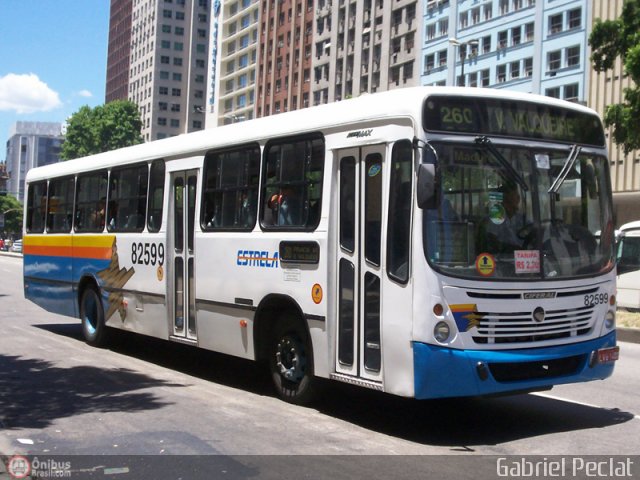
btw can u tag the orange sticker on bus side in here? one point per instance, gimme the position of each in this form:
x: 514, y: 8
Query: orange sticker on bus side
x: 316, y: 293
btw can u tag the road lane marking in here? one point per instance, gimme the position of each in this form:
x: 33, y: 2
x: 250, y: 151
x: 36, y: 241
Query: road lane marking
x: 576, y: 402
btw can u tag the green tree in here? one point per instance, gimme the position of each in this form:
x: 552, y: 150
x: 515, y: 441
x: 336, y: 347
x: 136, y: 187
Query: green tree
x: 621, y: 38
x: 12, y: 211
x: 106, y: 127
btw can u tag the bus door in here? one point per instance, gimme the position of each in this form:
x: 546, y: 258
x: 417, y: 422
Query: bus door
x: 359, y: 346
x: 182, y: 204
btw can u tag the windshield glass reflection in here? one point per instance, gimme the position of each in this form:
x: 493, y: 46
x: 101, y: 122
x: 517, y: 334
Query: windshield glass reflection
x: 490, y: 223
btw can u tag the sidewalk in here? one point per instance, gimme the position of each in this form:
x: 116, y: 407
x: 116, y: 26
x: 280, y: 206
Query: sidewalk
x: 627, y: 334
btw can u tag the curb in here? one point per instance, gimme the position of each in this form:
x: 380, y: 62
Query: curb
x: 626, y: 334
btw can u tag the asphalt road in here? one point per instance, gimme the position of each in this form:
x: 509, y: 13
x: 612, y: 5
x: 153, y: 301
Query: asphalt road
x: 162, y: 410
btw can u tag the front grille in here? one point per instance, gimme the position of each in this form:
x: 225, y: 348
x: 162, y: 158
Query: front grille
x: 513, y: 372
x: 520, y: 327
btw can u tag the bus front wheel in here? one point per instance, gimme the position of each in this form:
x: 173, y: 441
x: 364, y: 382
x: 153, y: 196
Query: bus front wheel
x: 291, y: 364
x: 92, y: 317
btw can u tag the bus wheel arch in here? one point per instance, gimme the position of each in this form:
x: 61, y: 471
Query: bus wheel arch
x: 282, y: 338
x: 91, y: 312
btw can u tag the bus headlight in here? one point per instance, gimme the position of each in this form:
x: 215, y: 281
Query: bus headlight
x: 442, y: 332
x: 610, y: 319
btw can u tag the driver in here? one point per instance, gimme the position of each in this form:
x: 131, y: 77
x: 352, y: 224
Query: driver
x: 506, y: 220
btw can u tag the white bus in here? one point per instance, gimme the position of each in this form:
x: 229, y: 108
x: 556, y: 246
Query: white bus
x: 360, y: 241
x: 629, y: 266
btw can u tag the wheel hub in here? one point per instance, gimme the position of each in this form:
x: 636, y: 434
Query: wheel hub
x: 290, y: 360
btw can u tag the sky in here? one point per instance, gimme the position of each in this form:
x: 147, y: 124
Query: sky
x: 53, y: 59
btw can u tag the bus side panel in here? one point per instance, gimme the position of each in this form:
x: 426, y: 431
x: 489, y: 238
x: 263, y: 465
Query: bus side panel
x: 91, y: 257
x: 234, y: 274
x: 397, y: 332
x: 47, y: 264
x: 135, y: 297
x: 223, y: 295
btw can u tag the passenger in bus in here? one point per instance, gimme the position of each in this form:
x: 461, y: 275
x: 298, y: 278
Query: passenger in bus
x: 285, y: 207
x: 245, y: 214
x: 287, y: 214
x: 113, y: 215
x: 97, y: 217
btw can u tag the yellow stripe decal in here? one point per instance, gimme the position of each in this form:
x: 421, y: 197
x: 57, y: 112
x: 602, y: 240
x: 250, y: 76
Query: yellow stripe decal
x: 76, y: 246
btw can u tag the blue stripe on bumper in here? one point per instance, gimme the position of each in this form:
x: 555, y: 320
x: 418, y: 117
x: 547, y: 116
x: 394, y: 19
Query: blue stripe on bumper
x: 445, y: 372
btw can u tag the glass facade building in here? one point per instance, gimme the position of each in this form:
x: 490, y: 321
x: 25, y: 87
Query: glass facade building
x: 524, y: 45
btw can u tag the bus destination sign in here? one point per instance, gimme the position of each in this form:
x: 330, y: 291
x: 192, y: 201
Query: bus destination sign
x: 299, y: 252
x: 500, y: 117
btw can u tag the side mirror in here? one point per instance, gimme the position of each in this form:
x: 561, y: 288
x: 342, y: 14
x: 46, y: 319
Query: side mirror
x: 426, y: 185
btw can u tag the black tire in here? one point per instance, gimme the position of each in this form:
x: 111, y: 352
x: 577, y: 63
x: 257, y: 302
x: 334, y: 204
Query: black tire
x: 291, y: 363
x: 94, y: 329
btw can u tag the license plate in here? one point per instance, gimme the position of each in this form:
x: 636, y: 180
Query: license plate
x: 608, y: 355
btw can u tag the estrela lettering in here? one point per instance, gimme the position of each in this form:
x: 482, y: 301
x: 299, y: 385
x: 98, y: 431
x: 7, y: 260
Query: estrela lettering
x: 257, y: 258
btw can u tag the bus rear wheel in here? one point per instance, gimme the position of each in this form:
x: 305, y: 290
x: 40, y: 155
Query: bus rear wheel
x: 92, y: 317
x: 291, y: 364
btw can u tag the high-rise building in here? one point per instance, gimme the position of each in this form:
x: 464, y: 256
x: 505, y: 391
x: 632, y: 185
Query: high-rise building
x: 237, y: 62
x: 286, y: 43
x: 167, y: 62
x: 524, y: 45
x: 607, y: 88
x: 30, y: 144
x: 364, y: 46
x: 119, y: 50
x: 276, y: 56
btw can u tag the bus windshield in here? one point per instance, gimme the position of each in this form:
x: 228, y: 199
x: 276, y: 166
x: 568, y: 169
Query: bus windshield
x: 510, y: 212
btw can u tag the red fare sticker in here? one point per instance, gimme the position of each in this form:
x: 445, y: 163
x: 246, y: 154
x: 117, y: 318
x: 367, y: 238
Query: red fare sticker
x: 527, y: 261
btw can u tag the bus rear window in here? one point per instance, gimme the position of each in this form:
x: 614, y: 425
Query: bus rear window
x: 36, y: 207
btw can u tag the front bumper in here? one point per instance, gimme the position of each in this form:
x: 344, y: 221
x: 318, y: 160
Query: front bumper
x: 445, y: 372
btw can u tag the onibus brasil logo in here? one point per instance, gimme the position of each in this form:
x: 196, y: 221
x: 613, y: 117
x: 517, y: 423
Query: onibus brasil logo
x: 19, y: 466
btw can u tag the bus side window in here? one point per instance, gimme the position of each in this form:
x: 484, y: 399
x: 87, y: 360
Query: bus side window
x: 399, y: 229
x: 91, y: 194
x: 230, y: 192
x: 128, y: 198
x: 292, y: 183
x: 156, y: 196
x: 60, y: 205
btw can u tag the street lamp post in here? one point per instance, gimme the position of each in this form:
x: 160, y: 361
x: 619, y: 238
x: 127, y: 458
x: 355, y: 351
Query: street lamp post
x: 463, y: 56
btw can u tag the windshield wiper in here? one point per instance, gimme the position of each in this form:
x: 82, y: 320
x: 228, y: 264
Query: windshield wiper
x: 512, y: 173
x: 566, y: 168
